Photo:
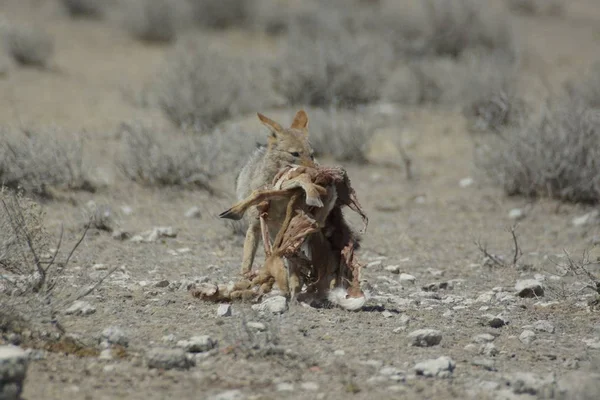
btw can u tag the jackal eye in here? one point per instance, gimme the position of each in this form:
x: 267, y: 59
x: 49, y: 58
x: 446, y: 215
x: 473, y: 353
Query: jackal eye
x: 295, y: 154
x: 312, y: 157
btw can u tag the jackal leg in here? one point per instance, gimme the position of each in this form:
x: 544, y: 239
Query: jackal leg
x: 250, y: 246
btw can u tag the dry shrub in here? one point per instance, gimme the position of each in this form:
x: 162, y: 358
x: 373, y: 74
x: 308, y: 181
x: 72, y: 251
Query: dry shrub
x: 29, y: 46
x: 201, y: 86
x: 93, y: 9
x: 586, y: 90
x: 342, y: 135
x: 329, y: 65
x: 222, y: 14
x: 460, y: 25
x: 21, y: 227
x: 431, y: 27
x: 152, y: 20
x: 153, y: 157
x: 40, y: 162
x: 537, y: 7
x: 482, y: 84
x: 555, y: 154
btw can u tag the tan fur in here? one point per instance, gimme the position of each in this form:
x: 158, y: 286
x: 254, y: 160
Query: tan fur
x: 260, y: 170
x: 330, y: 243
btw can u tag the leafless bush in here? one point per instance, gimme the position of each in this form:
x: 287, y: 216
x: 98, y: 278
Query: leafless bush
x: 586, y: 90
x: 489, y: 92
x: 21, y: 228
x: 155, y: 158
x: 537, y: 7
x: 152, y: 20
x: 29, y: 46
x: 222, y: 14
x: 482, y: 84
x: 556, y: 154
x: 40, y: 162
x: 331, y: 66
x: 582, y: 269
x: 85, y: 8
x: 460, y: 25
x: 34, y: 281
x: 201, y: 86
x: 343, y: 135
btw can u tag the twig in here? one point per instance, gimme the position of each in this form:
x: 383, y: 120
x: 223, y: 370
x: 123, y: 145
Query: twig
x: 87, y: 227
x: 90, y: 289
x: 51, y: 262
x: 517, y: 250
x: 42, y: 279
x: 493, y: 258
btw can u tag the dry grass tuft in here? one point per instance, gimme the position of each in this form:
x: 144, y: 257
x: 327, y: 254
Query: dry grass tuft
x: 555, y: 8
x: 93, y: 9
x: 555, y: 154
x: 222, y: 14
x: 326, y: 64
x: 40, y: 162
x: 29, y: 46
x: 342, y: 135
x: 586, y: 90
x: 201, y: 86
x: 21, y: 227
x: 155, y: 158
x: 152, y: 20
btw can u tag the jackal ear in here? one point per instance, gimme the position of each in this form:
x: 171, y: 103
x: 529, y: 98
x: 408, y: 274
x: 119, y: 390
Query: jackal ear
x: 273, y: 126
x: 300, y: 120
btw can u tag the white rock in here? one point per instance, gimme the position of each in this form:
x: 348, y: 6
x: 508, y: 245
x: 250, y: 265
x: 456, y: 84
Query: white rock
x: 193, y: 212
x: 224, y: 310
x: 593, y: 343
x: 259, y: 326
x: 516, y: 214
x: 13, y: 370
x: 386, y: 314
x: 170, y: 338
x: 484, y: 338
x: 234, y: 394
x: 466, y: 182
x: 284, y: 387
x: 586, y: 218
x: 441, y: 367
x: 529, y: 288
x: 80, y: 308
x: 105, y: 354
x: 393, y: 373
x: 394, y: 269
x: 425, y: 337
x: 155, y: 234
x: 168, y: 359
x: 407, y: 278
x: 197, y: 344
x: 471, y: 348
x: 374, y: 264
x: 485, y: 297
x: 488, y: 349
x: 543, y: 326
x: 309, y: 386
x: 339, y: 353
x: 274, y: 305
x: 527, y: 336
x: 115, y: 335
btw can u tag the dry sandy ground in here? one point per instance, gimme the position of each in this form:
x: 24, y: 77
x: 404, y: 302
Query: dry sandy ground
x: 426, y: 226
